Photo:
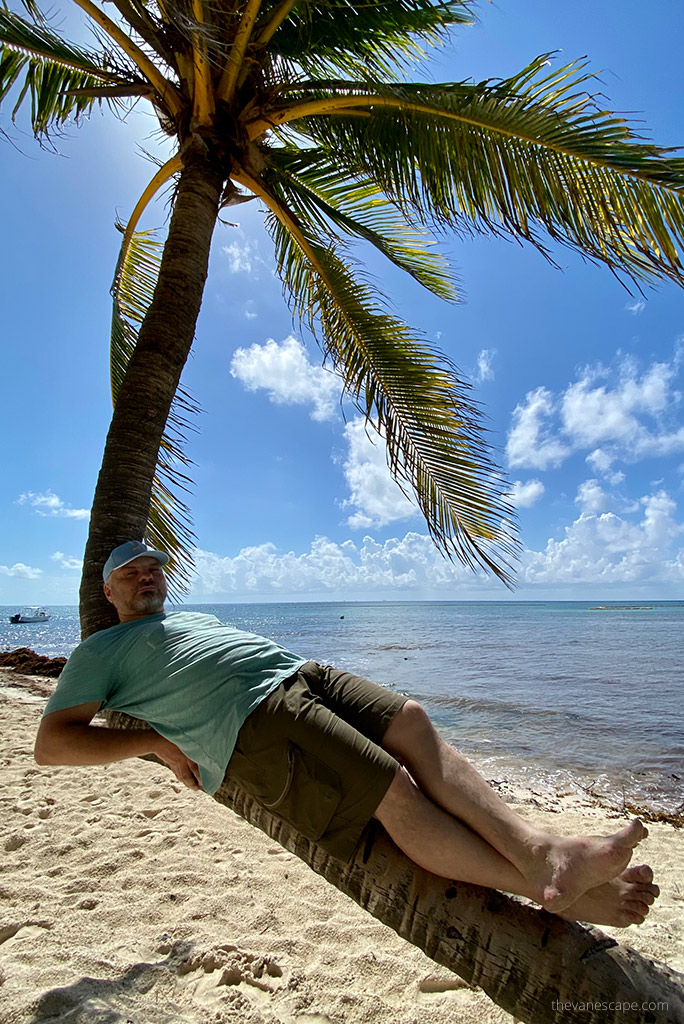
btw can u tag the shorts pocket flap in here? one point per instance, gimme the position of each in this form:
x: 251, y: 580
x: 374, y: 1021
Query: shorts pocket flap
x: 312, y: 795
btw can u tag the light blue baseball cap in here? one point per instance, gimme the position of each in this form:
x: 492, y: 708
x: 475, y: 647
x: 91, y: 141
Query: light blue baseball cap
x: 125, y: 553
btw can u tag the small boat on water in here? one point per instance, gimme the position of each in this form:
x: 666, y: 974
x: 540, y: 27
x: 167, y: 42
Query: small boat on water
x: 31, y: 614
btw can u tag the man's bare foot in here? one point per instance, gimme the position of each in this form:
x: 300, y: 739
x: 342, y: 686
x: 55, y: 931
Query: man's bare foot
x: 565, y: 868
x: 622, y: 901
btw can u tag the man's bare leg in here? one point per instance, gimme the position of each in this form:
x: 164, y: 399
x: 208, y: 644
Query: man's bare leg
x: 437, y: 841
x: 555, y: 870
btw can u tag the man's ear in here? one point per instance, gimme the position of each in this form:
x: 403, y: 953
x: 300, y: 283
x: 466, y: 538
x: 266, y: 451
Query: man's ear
x: 107, y: 592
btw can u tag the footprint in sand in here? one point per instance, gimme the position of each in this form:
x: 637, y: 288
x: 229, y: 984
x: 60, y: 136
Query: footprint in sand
x: 217, y: 973
x: 89, y: 904
x: 278, y: 851
x: 15, y: 842
x: 29, y: 807
x: 14, y: 933
x: 447, y: 984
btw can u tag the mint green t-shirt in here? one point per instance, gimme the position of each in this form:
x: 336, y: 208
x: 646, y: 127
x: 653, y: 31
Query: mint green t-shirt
x: 190, y: 677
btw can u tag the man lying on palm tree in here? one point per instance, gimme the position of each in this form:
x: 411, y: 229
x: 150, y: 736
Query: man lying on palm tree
x: 322, y: 749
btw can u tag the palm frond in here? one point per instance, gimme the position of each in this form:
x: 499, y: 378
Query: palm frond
x: 170, y: 521
x: 415, y: 398
x: 167, y: 97
x: 517, y: 156
x: 361, y: 39
x: 308, y: 180
x: 38, y: 41
x: 146, y: 26
x: 59, y: 77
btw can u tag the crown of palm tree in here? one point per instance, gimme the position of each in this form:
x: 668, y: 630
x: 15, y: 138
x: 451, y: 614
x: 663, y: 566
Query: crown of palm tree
x: 309, y: 107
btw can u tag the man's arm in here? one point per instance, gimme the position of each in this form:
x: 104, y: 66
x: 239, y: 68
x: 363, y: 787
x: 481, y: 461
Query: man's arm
x: 67, y: 737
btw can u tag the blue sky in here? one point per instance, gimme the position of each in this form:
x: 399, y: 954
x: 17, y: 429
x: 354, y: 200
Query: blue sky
x: 581, y: 382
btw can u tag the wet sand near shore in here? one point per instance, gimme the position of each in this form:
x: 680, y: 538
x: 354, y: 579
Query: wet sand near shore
x: 124, y: 895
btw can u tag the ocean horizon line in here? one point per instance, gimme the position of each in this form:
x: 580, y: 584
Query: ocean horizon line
x: 598, y: 602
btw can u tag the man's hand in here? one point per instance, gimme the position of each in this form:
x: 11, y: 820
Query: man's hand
x: 67, y: 737
x: 185, y: 770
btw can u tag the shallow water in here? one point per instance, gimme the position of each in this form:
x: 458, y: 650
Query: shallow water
x: 554, y: 694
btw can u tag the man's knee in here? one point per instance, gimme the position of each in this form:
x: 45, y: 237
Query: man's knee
x: 409, y: 732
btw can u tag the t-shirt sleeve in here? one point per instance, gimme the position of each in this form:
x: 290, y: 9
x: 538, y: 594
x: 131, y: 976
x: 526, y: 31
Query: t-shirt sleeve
x: 86, y: 677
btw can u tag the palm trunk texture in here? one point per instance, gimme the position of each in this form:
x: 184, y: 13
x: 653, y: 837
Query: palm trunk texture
x: 122, y: 497
x: 539, y: 968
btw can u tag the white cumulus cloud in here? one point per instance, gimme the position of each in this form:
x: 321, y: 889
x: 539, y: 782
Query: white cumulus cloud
x: 591, y: 497
x: 20, y: 571
x: 531, y: 442
x: 284, y: 370
x: 602, y: 462
x: 374, y: 495
x: 67, y: 561
x: 242, y: 257
x: 410, y: 563
x: 593, y: 413
x: 485, y: 369
x: 524, y: 495
x: 616, y: 413
x: 607, y: 548
x: 49, y: 504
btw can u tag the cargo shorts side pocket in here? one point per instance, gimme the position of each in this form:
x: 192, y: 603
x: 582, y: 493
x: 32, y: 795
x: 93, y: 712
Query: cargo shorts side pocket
x: 310, y: 796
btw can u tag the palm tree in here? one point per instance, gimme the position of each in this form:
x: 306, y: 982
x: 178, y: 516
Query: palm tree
x: 310, y: 107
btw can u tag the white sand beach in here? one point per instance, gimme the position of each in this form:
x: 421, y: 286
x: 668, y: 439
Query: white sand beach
x: 127, y: 899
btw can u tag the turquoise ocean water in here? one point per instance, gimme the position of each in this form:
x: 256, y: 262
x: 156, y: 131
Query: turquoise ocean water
x: 556, y: 695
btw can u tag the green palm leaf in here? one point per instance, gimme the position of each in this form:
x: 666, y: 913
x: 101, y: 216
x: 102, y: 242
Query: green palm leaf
x: 170, y: 521
x: 57, y: 75
x: 309, y: 181
x: 515, y: 156
x: 414, y: 397
x: 363, y: 39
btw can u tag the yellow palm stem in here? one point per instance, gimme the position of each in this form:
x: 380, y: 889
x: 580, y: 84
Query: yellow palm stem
x: 271, y: 27
x: 314, y: 108
x: 231, y: 71
x: 186, y: 70
x: 170, y: 168
x: 165, y: 89
x: 203, y: 105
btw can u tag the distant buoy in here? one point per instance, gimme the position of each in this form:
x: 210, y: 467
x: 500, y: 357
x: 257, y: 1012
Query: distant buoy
x: 341, y: 616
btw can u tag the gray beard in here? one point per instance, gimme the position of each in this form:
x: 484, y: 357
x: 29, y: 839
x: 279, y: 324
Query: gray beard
x: 148, y: 604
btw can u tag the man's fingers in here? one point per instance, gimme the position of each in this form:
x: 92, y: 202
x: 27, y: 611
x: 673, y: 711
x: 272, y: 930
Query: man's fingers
x: 188, y: 774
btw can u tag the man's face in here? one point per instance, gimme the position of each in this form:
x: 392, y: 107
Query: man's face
x: 137, y: 589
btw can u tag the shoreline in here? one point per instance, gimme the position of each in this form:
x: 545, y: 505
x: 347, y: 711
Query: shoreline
x: 124, y: 892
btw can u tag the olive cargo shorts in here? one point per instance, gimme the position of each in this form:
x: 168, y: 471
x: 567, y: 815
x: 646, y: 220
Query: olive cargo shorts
x: 310, y: 753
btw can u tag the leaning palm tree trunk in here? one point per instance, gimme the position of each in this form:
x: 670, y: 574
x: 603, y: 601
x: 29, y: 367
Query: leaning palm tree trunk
x: 536, y: 966
x: 122, y: 497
